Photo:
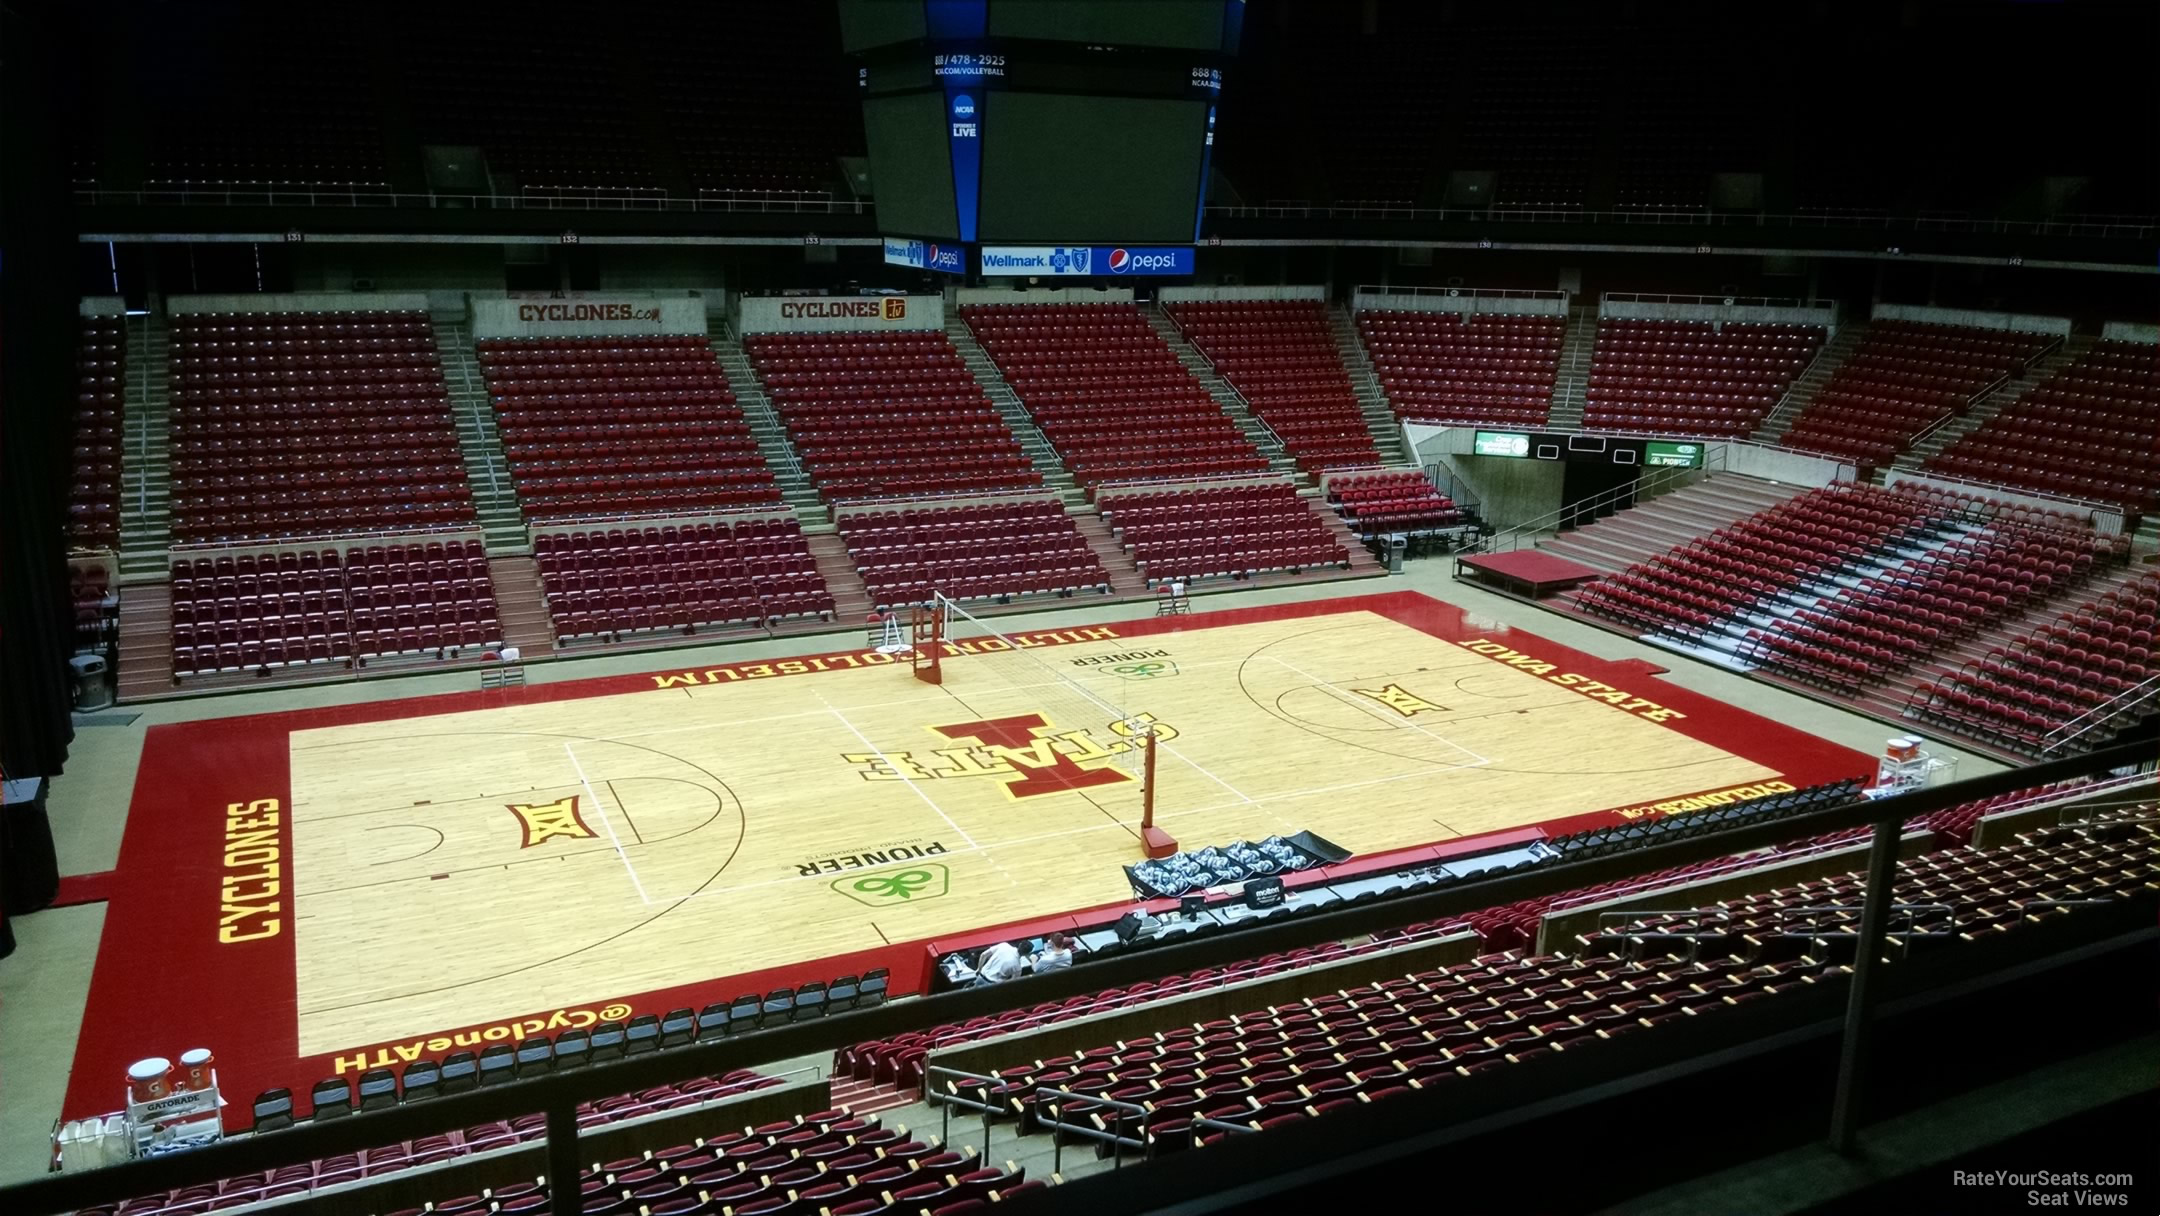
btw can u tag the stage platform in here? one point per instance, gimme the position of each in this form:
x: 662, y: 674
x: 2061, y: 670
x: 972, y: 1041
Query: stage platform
x: 1527, y: 573
x: 319, y: 892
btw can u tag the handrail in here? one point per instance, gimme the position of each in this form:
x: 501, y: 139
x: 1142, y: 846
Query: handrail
x: 2124, y: 227
x: 1661, y: 479
x: 1463, y: 293
x: 1994, y: 386
x: 474, y: 398
x: 419, y: 532
x: 1117, y: 1140
x: 1243, y: 402
x: 1658, y: 297
x: 354, y: 195
x: 2121, y: 703
x: 557, y: 1094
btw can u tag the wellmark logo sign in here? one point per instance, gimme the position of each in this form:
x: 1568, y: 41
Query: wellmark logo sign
x: 926, y: 881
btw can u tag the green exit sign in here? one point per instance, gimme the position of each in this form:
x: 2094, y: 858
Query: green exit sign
x: 1500, y: 443
x: 1658, y: 452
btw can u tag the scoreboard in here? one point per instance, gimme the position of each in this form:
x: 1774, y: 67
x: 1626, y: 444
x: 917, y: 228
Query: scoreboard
x: 1040, y: 122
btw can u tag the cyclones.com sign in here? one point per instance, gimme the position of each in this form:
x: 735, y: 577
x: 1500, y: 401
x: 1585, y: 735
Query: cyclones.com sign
x: 531, y: 313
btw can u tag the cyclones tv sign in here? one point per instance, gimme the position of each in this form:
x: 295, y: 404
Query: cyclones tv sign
x: 883, y: 308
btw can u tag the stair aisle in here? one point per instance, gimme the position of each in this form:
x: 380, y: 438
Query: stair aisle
x: 1125, y: 577
x: 1256, y: 431
x: 1372, y: 399
x: 1829, y: 357
x: 487, y: 467
x: 146, y: 666
x: 1041, y: 453
x: 146, y: 454
x: 851, y: 599
x: 1668, y: 521
x: 521, y: 605
x: 1932, y: 443
x: 1571, y: 387
x: 796, y: 489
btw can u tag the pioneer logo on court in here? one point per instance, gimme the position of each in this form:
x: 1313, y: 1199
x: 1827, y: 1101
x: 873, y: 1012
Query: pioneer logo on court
x: 883, y: 855
x: 1027, y: 754
x: 546, y: 820
x: 886, y: 887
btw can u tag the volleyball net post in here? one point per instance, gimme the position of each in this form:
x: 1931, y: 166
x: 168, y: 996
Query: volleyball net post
x: 927, y: 640
x: 1156, y: 842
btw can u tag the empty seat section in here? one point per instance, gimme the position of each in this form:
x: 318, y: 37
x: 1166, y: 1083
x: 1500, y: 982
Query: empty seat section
x: 1690, y: 377
x: 971, y: 551
x: 892, y: 415
x: 1110, y: 394
x: 299, y: 606
x: 1281, y: 358
x: 1905, y: 379
x: 604, y: 583
x: 1405, y: 501
x: 2092, y: 431
x: 612, y: 426
x: 2075, y: 682
x: 1848, y: 585
x: 310, y: 424
x: 94, y: 494
x: 1443, y: 367
x: 1183, y: 535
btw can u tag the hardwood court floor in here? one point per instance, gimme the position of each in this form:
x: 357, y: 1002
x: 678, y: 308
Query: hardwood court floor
x: 451, y: 863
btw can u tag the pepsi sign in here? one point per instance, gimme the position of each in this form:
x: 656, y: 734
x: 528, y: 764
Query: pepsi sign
x: 924, y: 255
x: 1075, y: 260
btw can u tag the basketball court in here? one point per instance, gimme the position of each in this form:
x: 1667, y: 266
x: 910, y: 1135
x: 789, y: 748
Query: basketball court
x: 323, y: 891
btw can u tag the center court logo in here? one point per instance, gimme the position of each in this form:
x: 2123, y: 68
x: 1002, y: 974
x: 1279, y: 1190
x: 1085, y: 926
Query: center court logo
x: 926, y: 881
x: 542, y: 821
x: 1026, y: 754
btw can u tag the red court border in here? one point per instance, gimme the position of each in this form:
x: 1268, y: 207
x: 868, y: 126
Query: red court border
x: 164, y: 982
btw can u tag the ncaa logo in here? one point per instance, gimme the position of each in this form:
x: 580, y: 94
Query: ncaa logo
x: 1120, y: 261
x: 963, y: 106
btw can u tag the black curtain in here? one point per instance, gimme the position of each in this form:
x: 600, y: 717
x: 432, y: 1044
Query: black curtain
x: 37, y: 391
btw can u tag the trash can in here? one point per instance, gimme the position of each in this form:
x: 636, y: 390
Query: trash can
x: 90, y: 690
x: 1397, y: 545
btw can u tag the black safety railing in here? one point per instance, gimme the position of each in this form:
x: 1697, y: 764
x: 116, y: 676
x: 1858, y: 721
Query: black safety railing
x: 557, y: 1096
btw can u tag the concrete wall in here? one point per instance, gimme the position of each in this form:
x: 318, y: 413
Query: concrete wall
x: 838, y: 314
x: 101, y: 306
x: 1468, y: 301
x: 1780, y: 464
x: 1175, y: 295
x: 2131, y: 331
x: 1508, y: 491
x: 325, y: 265
x: 963, y: 296
x: 583, y: 315
x: 1118, y: 1025
x: 1976, y: 318
x: 1704, y: 308
x: 299, y: 301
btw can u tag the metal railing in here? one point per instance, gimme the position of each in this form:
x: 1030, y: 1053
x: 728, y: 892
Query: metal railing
x: 2125, y: 227
x: 2121, y: 704
x: 357, y: 196
x: 1511, y: 538
x: 1128, y: 1113
x: 556, y: 1096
